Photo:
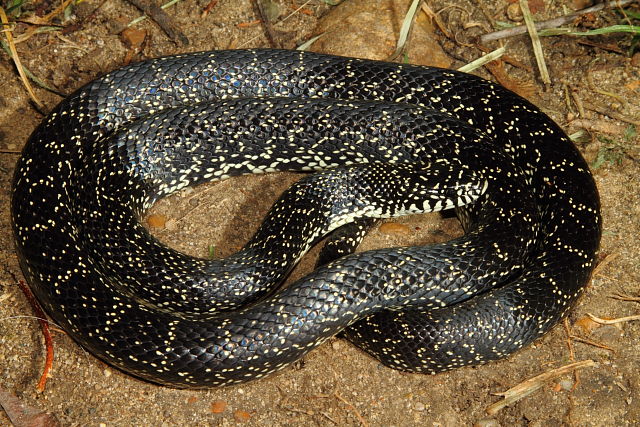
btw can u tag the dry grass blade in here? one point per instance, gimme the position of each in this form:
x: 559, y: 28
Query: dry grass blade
x: 306, y: 45
x: 613, y: 321
x: 593, y: 87
x: 16, y: 59
x: 535, y: 41
x: 46, y: 19
x: 612, y: 29
x: 477, y: 63
x: 527, y: 387
x: 32, y: 31
x: 405, y: 30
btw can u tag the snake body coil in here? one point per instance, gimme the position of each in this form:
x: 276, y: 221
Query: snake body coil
x: 389, y: 139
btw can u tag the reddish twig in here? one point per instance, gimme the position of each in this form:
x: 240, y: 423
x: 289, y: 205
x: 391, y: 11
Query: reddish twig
x: 44, y: 324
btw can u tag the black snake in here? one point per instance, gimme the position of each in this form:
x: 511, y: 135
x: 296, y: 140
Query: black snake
x: 389, y: 139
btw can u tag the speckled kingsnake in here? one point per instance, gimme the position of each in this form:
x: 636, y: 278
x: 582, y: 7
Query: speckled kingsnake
x: 397, y: 138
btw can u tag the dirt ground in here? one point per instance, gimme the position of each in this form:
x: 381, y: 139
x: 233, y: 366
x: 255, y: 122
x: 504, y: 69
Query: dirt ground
x: 595, y: 86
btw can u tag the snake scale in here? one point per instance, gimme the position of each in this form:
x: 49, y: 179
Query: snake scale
x: 383, y: 139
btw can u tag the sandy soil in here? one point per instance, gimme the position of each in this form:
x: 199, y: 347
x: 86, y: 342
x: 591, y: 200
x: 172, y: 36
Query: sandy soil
x: 337, y: 384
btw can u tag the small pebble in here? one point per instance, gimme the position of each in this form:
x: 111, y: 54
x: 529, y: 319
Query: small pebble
x: 240, y: 415
x: 608, y: 334
x: 514, y: 12
x: 587, y: 324
x: 218, y: 406
x: 186, y: 191
x: 418, y: 406
x: 171, y: 224
x: 133, y: 38
x: 581, y: 4
x: 107, y: 373
x: 487, y: 422
x: 156, y: 220
x: 566, y: 384
x: 394, y: 228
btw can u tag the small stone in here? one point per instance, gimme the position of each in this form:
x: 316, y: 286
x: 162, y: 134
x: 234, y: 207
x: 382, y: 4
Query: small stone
x: 514, y: 12
x: 566, y: 384
x: 581, y: 4
x: 241, y: 416
x: 107, y: 373
x: 635, y: 59
x: 156, y: 220
x: 487, y: 422
x: 133, y: 38
x: 394, y: 228
x: 608, y: 334
x: 218, y: 406
x: 587, y: 324
x: 171, y: 225
x: 419, y: 406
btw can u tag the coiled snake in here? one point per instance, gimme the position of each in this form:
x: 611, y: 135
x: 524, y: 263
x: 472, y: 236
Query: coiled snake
x: 389, y: 139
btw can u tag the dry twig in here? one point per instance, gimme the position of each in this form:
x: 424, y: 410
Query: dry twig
x: 160, y: 17
x: 527, y: 387
x: 605, y: 261
x: 592, y: 343
x: 622, y: 297
x: 552, y: 23
x: 363, y: 422
x: 614, y: 115
x: 44, y: 324
x: 567, y: 330
x: 259, y: 8
x: 600, y: 126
